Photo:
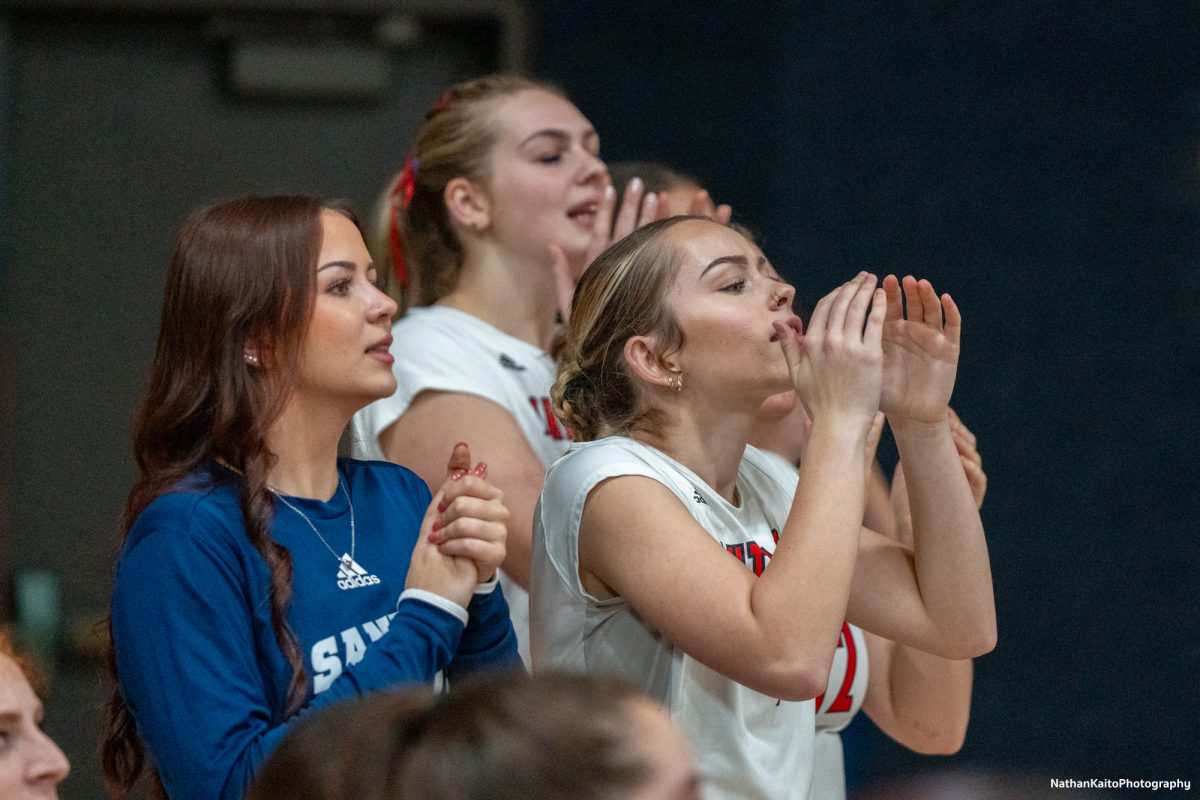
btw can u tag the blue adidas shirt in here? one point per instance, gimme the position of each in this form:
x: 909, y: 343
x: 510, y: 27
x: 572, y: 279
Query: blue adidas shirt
x: 198, y: 662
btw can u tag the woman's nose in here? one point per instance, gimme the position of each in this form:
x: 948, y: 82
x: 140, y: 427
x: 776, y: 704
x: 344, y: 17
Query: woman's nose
x: 783, y: 295
x: 380, y: 305
x: 594, y: 168
x: 48, y: 763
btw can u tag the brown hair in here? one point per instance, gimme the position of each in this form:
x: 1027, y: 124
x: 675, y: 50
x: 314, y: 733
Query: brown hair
x: 456, y: 141
x: 655, y: 177
x: 241, y: 275
x: 503, y: 737
x: 622, y: 294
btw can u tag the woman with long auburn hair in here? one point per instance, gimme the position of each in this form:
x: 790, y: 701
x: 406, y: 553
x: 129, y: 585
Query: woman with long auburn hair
x: 260, y: 575
x: 670, y: 553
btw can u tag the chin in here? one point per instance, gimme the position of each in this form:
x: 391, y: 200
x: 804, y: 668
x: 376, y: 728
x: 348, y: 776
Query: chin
x: 385, y: 390
x: 779, y: 405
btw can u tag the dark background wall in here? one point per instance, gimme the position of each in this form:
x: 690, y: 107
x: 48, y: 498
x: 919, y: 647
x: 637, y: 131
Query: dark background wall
x: 1039, y: 161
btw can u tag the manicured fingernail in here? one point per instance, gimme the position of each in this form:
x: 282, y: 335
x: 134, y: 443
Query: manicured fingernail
x: 458, y: 473
x: 635, y: 184
x: 481, y: 468
x: 442, y: 506
x: 609, y: 192
x: 437, y: 525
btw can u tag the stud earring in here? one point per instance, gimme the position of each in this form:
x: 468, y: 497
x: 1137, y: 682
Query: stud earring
x: 250, y: 358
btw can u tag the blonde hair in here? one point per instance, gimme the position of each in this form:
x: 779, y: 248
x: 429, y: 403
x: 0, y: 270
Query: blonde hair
x: 621, y: 295
x: 456, y: 141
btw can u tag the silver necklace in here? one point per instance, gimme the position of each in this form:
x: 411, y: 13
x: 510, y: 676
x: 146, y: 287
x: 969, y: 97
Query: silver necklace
x: 346, y: 559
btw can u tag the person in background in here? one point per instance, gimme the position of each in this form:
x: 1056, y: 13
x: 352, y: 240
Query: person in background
x: 261, y: 576
x: 677, y: 192
x: 512, y: 737
x: 31, y: 764
x: 502, y: 202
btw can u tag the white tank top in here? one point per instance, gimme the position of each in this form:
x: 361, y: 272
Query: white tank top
x: 841, y: 700
x: 748, y: 745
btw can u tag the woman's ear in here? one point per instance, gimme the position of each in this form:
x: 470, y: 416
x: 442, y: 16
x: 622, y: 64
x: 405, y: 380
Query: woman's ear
x: 467, y: 204
x: 641, y: 354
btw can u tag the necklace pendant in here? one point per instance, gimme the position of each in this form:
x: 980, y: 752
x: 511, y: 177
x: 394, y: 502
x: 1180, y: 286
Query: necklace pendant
x: 351, y: 574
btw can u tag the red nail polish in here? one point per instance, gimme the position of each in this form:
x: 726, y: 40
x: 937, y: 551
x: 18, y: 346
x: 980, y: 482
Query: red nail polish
x: 441, y: 506
x: 437, y: 525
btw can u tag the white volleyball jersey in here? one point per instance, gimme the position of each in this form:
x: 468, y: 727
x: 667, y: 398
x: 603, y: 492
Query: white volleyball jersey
x: 748, y: 745
x: 446, y: 350
x: 842, y: 699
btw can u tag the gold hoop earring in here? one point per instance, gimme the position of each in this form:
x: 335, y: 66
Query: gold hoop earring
x: 676, y: 381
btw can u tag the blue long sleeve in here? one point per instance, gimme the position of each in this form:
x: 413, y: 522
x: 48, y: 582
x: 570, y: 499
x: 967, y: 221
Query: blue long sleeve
x: 197, y: 657
x: 489, y: 642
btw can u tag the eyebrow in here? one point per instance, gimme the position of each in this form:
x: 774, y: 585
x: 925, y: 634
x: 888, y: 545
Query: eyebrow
x: 562, y: 136
x: 350, y: 265
x: 741, y: 261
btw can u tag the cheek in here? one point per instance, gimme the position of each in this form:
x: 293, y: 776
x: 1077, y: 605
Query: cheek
x: 331, y: 332
x: 542, y: 192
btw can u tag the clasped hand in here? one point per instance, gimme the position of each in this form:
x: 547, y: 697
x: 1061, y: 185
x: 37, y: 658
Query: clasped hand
x: 463, y: 535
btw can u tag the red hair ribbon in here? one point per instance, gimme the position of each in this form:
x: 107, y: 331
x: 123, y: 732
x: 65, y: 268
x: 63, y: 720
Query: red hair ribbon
x: 440, y: 104
x: 402, y: 194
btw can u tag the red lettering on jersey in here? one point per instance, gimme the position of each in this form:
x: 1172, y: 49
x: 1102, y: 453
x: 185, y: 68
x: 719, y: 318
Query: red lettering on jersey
x: 843, y: 701
x: 752, y: 554
x: 759, y: 558
x: 775, y: 535
x: 554, y: 429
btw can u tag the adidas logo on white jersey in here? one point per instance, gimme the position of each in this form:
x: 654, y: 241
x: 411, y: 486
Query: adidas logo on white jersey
x: 352, y: 576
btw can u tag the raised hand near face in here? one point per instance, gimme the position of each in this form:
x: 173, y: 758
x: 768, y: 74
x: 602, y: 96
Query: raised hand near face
x: 920, y: 352
x: 836, y: 365
x: 638, y: 208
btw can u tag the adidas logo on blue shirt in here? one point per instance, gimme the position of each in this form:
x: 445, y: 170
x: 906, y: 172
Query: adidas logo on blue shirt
x: 353, y: 576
